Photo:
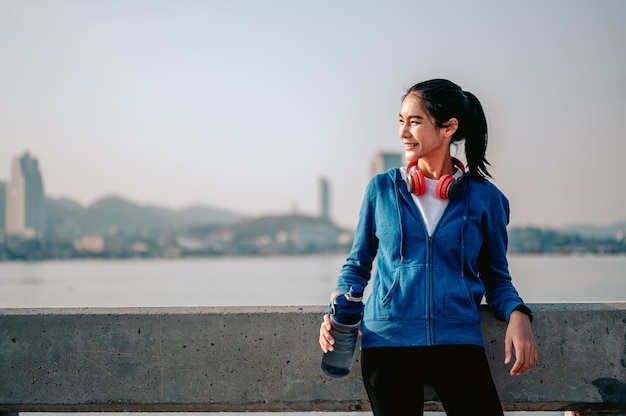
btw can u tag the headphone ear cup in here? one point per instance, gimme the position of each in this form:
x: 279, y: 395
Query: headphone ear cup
x: 448, y: 187
x: 454, y: 189
x: 445, y: 185
x: 416, y: 182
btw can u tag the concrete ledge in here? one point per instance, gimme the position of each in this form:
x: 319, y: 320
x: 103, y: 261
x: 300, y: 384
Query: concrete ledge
x: 240, y: 359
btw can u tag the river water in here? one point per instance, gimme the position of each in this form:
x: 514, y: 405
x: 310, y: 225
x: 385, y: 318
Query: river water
x: 270, y: 281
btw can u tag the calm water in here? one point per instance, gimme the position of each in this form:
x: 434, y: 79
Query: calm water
x: 270, y: 281
x: 186, y: 282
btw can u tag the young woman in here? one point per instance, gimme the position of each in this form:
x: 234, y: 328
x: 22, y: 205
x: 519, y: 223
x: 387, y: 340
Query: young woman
x: 439, y: 237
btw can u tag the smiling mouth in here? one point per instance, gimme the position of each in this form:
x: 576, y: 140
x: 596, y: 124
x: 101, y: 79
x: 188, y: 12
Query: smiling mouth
x: 410, y: 146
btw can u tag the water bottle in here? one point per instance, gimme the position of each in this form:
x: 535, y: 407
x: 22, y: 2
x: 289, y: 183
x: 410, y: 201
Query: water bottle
x: 345, y: 311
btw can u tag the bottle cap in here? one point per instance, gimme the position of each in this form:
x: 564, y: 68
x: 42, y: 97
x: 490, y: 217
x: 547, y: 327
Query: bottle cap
x: 347, y: 307
x: 355, y: 294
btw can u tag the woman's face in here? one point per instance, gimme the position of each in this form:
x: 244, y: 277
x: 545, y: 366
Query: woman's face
x: 421, y: 139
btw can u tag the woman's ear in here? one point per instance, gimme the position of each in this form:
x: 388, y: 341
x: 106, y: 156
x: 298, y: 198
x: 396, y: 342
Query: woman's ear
x: 450, y: 126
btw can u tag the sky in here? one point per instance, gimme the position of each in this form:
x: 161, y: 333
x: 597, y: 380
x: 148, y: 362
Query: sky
x: 245, y: 105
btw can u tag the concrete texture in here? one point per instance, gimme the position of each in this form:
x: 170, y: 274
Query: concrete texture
x: 262, y: 359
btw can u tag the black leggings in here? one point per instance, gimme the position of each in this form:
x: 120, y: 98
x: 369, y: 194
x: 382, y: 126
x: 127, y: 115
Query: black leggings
x: 394, y: 380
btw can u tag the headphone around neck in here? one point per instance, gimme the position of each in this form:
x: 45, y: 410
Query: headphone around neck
x: 447, y: 187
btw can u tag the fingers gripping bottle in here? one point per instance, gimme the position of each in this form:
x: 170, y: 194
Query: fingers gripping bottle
x: 346, y: 310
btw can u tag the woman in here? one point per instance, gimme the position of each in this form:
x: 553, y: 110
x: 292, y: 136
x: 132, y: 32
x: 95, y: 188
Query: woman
x: 439, y: 235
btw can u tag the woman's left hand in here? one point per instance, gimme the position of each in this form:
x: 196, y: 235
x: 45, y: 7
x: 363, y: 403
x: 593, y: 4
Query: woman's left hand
x: 519, y: 338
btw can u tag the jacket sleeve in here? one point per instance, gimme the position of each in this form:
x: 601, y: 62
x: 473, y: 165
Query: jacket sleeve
x: 500, y: 293
x: 358, y: 265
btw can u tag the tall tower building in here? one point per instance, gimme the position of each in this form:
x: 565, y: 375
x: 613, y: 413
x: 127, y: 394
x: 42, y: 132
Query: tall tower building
x: 3, y: 206
x: 324, y: 199
x: 383, y: 161
x: 25, y: 199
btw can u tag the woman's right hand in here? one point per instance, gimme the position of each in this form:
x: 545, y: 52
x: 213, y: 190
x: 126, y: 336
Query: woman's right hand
x: 326, y: 339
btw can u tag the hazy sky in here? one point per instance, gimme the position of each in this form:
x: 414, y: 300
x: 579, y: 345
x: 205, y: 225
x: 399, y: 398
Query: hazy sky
x: 244, y: 105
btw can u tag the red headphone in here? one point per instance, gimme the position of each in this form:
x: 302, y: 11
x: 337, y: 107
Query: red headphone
x: 447, y: 187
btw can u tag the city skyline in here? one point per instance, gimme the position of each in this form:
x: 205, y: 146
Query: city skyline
x: 380, y: 161
x: 243, y: 106
x: 25, y: 168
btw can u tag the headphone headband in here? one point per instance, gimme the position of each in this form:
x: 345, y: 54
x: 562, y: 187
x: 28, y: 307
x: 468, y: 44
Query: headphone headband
x: 456, y: 162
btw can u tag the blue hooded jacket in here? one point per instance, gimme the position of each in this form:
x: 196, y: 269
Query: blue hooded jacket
x: 427, y: 290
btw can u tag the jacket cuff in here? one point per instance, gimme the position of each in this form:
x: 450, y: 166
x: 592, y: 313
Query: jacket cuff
x: 526, y: 310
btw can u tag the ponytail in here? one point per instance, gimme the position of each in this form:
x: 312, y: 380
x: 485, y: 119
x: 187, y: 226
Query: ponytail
x: 476, y: 139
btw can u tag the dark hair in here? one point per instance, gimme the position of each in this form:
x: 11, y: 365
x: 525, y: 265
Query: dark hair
x: 444, y: 100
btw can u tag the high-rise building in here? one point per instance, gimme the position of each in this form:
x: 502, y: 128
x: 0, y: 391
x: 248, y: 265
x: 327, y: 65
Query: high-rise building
x: 25, y: 199
x: 324, y: 199
x: 382, y: 161
x: 3, y: 205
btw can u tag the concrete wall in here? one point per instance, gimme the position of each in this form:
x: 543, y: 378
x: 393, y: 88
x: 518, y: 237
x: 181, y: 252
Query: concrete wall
x: 267, y: 359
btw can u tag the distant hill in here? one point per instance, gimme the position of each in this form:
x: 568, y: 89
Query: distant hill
x: 112, y: 215
x: 582, y: 230
x: 594, y: 231
x: 272, y: 234
x: 272, y: 224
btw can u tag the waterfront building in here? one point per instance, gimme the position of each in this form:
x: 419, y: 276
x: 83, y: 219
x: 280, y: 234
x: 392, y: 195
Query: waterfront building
x: 324, y: 199
x: 25, y: 199
x: 3, y: 204
x: 382, y: 161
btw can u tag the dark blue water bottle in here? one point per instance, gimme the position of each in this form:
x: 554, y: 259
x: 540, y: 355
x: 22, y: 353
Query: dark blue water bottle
x: 346, y: 310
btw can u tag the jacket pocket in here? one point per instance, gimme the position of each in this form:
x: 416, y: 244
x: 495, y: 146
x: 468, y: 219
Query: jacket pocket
x: 399, y: 296
x: 452, y: 299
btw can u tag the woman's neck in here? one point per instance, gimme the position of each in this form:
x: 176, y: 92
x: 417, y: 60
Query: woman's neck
x: 436, y: 168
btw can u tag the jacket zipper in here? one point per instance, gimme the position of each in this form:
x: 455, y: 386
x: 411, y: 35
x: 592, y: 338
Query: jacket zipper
x: 431, y: 277
x: 430, y: 283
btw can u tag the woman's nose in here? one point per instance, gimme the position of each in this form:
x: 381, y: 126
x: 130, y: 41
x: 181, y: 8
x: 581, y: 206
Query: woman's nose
x: 403, y: 132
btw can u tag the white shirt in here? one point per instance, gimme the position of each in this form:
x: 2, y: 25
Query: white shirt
x: 429, y: 204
